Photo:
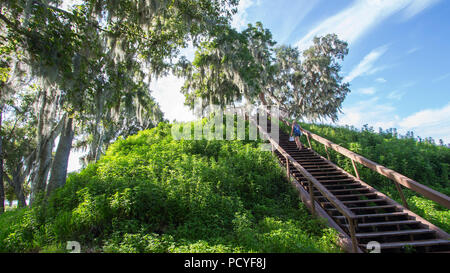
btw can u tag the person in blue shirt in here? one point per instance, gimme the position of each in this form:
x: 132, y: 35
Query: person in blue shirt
x: 297, y: 134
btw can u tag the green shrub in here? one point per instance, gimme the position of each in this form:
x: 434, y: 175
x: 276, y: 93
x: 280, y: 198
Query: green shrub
x: 150, y: 193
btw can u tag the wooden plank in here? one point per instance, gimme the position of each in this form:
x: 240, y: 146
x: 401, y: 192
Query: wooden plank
x: 389, y: 223
x: 394, y: 233
x: 359, y: 201
x: 368, y: 208
x: 376, y: 215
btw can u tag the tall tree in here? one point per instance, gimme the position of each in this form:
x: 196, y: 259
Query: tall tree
x: 2, y: 188
x: 92, y: 56
x: 305, y: 85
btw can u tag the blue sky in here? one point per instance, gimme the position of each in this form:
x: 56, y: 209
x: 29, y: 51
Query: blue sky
x: 398, y: 64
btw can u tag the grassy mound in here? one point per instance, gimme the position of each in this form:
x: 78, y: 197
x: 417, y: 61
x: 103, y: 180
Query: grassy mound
x: 150, y: 193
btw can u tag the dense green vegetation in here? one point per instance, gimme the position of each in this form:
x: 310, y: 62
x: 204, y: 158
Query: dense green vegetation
x: 420, y: 160
x: 150, y: 193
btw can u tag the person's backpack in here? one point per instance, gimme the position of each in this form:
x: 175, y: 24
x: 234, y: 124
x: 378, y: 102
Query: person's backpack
x: 297, y: 131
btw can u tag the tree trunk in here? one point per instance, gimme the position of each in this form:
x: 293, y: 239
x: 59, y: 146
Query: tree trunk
x: 44, y: 161
x: 47, y: 132
x: 17, y: 184
x: 58, y: 172
x: 262, y: 97
x: 2, y: 189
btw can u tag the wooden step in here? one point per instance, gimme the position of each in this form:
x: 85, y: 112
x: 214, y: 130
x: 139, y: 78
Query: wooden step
x: 336, y: 181
x: 320, y: 172
x: 389, y: 223
x: 353, y: 189
x: 320, y: 168
x: 394, y: 233
x: 312, y: 164
x: 375, y: 215
x: 358, y: 201
x: 342, y: 185
x: 355, y: 195
x: 368, y: 208
x: 342, y: 176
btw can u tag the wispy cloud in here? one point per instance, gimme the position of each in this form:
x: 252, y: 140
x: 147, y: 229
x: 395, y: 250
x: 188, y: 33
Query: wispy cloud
x: 381, y: 80
x: 370, y: 112
x: 412, y: 50
x: 367, y: 91
x: 429, y: 122
x: 356, y: 20
x: 424, y: 123
x: 417, y: 6
x: 366, y: 66
x: 239, y: 20
x: 441, y: 78
x: 299, y: 9
x: 396, y: 95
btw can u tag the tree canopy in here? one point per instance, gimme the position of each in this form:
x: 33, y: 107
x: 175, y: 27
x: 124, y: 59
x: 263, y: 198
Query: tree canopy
x: 88, y: 69
x: 248, y: 65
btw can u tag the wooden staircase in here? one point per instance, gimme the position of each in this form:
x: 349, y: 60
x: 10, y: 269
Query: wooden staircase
x: 377, y: 217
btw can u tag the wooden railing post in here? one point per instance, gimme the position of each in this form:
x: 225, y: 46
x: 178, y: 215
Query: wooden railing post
x: 288, y: 173
x: 400, y: 191
x: 328, y: 154
x: 352, y: 229
x: 311, y: 197
x: 356, y: 170
x: 309, y: 141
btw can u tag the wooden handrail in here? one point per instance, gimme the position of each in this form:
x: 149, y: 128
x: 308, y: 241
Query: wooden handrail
x: 398, y: 178
x: 407, y: 182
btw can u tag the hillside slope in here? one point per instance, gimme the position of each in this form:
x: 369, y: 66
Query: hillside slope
x: 150, y: 193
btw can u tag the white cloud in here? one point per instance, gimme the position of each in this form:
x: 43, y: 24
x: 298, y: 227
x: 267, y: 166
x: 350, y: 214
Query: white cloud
x: 366, y: 112
x: 417, y: 6
x: 429, y: 122
x: 427, y: 117
x: 396, y: 95
x: 412, y: 50
x: 441, y: 78
x: 366, y: 66
x: 355, y: 21
x: 381, y: 80
x: 188, y: 52
x: 425, y: 123
x: 367, y: 91
x: 167, y: 93
x: 239, y: 20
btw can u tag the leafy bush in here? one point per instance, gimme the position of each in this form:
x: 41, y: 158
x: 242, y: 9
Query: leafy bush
x: 150, y: 193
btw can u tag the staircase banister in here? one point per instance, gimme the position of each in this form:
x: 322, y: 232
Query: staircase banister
x: 407, y: 182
